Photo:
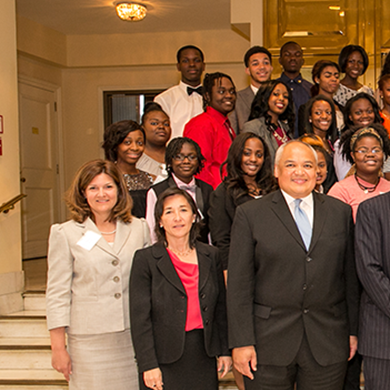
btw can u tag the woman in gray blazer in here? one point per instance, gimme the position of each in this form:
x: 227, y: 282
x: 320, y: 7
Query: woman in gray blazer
x: 89, y: 261
x: 177, y: 303
x: 272, y: 115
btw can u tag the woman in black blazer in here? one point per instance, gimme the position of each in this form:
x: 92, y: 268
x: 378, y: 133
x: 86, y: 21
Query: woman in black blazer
x: 177, y: 303
x: 249, y: 176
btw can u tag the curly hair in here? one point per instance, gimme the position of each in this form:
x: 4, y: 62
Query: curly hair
x: 174, y: 148
x: 115, y: 134
x: 260, y: 106
x: 75, y: 196
x: 159, y: 210
x: 346, y: 51
x: 316, y: 72
x: 234, y: 181
x: 332, y: 132
x: 209, y: 81
x: 350, y: 102
x: 345, y: 140
x: 255, y: 50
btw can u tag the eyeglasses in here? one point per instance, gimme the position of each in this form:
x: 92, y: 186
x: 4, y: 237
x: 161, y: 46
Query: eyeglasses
x: 365, y: 151
x: 182, y: 157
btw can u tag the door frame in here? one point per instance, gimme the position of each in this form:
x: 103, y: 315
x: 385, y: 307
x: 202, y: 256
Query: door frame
x: 58, y: 129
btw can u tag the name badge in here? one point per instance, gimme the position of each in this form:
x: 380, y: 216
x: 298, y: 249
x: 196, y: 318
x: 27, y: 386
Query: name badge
x: 88, y: 240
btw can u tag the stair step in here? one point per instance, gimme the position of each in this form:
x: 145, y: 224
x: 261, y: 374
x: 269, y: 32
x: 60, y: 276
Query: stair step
x: 34, y: 300
x: 25, y: 359
x: 25, y: 377
x: 23, y: 326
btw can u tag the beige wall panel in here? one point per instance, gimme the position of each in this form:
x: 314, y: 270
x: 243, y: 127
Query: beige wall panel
x: 40, y: 41
x: 152, y: 49
x: 10, y: 230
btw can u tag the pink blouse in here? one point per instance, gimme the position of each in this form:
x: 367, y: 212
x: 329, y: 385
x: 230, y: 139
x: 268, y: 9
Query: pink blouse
x: 189, y: 276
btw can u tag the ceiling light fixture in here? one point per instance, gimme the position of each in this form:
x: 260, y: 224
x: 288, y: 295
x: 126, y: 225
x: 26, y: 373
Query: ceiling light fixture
x: 131, y: 12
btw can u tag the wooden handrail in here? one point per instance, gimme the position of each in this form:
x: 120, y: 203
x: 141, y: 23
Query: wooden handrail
x: 10, y: 205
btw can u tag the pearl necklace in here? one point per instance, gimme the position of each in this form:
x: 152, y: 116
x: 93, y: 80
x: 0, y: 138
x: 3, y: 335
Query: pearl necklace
x: 108, y: 233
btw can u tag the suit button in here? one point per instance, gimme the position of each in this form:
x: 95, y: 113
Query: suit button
x: 304, y: 287
x: 117, y: 295
x: 115, y: 263
x: 309, y: 259
x: 205, y: 308
x: 207, y: 322
x: 203, y: 296
x: 305, y: 311
x: 116, y: 279
x: 182, y: 297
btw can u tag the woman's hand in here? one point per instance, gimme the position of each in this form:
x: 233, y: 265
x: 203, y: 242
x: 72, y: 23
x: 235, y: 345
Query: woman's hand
x: 60, y: 360
x: 153, y: 379
x: 224, y: 365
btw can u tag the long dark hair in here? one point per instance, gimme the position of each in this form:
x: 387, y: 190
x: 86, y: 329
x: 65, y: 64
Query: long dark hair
x: 234, y: 181
x: 260, y: 105
x: 332, y: 133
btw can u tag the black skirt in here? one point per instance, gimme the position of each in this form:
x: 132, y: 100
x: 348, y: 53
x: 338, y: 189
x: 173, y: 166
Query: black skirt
x: 195, y: 370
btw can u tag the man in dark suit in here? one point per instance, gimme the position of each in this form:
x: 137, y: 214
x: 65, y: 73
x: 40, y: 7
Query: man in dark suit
x: 292, y: 285
x: 258, y: 66
x: 373, y: 266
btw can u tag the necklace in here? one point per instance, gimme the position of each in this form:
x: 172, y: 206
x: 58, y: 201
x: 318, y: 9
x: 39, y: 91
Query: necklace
x: 107, y: 233
x: 184, y: 254
x: 366, y: 190
x: 385, y: 114
x: 252, y: 189
x: 283, y: 139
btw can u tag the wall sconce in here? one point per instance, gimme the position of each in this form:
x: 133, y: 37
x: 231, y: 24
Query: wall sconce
x: 131, y: 12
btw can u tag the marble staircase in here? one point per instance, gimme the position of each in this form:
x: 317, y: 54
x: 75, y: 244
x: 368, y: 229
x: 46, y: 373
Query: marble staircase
x: 25, y: 356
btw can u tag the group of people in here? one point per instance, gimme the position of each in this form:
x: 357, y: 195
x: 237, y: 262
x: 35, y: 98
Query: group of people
x: 137, y: 296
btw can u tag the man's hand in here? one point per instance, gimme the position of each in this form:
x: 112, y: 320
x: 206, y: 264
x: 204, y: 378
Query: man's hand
x: 245, y: 360
x: 353, y: 344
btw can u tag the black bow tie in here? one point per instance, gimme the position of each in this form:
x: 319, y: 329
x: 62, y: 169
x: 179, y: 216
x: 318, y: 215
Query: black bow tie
x: 198, y: 90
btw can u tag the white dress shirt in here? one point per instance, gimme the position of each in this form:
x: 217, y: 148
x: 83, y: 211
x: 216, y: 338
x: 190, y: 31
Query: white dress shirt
x: 307, y: 205
x: 179, y: 106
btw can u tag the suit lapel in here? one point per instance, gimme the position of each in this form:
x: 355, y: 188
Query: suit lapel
x: 319, y: 218
x: 123, y: 231
x: 102, y: 243
x: 282, y: 211
x: 249, y: 96
x: 204, y: 263
x: 164, y: 264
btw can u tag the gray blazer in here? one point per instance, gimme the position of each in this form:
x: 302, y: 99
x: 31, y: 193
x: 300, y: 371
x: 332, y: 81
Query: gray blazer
x: 88, y: 290
x: 242, y: 110
x: 259, y: 127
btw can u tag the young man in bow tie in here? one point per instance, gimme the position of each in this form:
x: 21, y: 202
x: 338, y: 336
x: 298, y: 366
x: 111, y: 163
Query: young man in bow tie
x: 184, y: 101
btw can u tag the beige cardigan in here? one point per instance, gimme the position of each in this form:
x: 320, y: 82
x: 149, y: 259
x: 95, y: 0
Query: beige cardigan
x: 88, y: 290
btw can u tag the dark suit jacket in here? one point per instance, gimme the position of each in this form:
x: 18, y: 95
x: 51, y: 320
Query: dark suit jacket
x: 242, y: 109
x: 158, y: 306
x: 203, y: 205
x: 221, y: 215
x: 277, y: 291
x: 373, y: 266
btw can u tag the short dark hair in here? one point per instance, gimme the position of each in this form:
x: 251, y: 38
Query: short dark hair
x: 159, y: 209
x: 209, y: 82
x: 382, y: 80
x: 260, y: 105
x: 350, y: 102
x: 346, y: 51
x: 234, y: 180
x: 115, y: 134
x: 386, y: 65
x: 288, y: 43
x: 255, y: 50
x: 316, y: 72
x: 178, y: 54
x: 174, y: 148
x: 332, y: 133
x: 151, y: 107
x: 345, y: 140
x: 75, y: 196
